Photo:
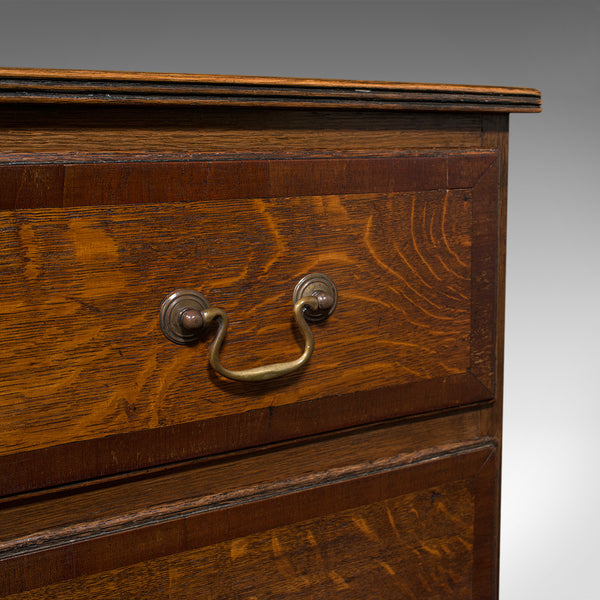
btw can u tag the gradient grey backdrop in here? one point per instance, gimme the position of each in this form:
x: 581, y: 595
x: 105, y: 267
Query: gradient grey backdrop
x: 550, y: 522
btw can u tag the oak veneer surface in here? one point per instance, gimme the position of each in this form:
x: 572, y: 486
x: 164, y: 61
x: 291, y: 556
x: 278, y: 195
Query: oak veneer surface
x: 79, y: 511
x: 414, y: 546
x: 94, y: 362
x: 228, y: 506
x: 40, y: 131
x: 126, y: 466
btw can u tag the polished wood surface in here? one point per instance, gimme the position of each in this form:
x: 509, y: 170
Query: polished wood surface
x: 126, y: 467
x: 43, y: 130
x: 413, y: 313
x: 353, y: 553
x: 82, y: 510
x: 247, y: 495
x: 66, y: 181
x: 46, y: 85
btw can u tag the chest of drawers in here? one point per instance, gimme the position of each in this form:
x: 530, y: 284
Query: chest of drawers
x: 132, y: 206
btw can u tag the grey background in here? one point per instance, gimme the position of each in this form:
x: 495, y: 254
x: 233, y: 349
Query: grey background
x: 550, y: 523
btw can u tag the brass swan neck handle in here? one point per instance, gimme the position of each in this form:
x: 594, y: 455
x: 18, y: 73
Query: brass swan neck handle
x: 185, y: 314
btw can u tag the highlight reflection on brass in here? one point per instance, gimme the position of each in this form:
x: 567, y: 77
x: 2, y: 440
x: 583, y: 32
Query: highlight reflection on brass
x: 185, y: 314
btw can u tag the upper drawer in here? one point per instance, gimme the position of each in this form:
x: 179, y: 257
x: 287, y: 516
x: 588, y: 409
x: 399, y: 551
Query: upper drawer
x: 85, y: 371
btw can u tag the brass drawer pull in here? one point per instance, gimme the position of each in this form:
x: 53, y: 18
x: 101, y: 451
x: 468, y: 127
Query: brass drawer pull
x: 185, y: 314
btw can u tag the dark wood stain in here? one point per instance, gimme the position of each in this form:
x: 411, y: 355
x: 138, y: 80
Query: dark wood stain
x: 95, y: 363
x: 46, y: 130
x: 128, y: 468
x: 365, y: 494
x: 98, y: 87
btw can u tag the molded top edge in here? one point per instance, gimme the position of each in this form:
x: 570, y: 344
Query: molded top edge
x: 119, y: 87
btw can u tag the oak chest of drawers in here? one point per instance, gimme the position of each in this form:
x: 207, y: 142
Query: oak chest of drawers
x: 361, y: 222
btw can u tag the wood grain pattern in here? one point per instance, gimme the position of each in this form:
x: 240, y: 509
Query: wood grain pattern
x: 445, y: 483
x: 24, y: 187
x: 94, y: 361
x: 99, y: 365
x: 132, y: 451
x: 149, y: 180
x: 496, y: 134
x: 485, y: 291
x: 47, y: 129
x: 374, y: 472
x: 22, y: 85
x: 76, y: 512
x: 382, y: 550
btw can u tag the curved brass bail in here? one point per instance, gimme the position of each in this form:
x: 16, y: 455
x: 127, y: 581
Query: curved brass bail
x: 184, y: 314
x: 265, y: 372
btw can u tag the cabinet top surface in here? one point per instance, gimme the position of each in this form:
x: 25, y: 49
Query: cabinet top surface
x: 112, y: 87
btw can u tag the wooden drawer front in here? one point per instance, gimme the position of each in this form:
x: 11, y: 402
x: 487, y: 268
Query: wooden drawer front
x: 403, y: 525
x: 410, y: 241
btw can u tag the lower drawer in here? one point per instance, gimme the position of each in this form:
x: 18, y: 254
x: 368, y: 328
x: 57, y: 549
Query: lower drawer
x: 378, y: 518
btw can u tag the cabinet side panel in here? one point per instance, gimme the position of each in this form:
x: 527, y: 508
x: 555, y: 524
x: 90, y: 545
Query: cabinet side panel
x: 495, y: 135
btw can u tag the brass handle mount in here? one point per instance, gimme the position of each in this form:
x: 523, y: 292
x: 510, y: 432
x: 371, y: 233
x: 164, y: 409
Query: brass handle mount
x: 185, y: 314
